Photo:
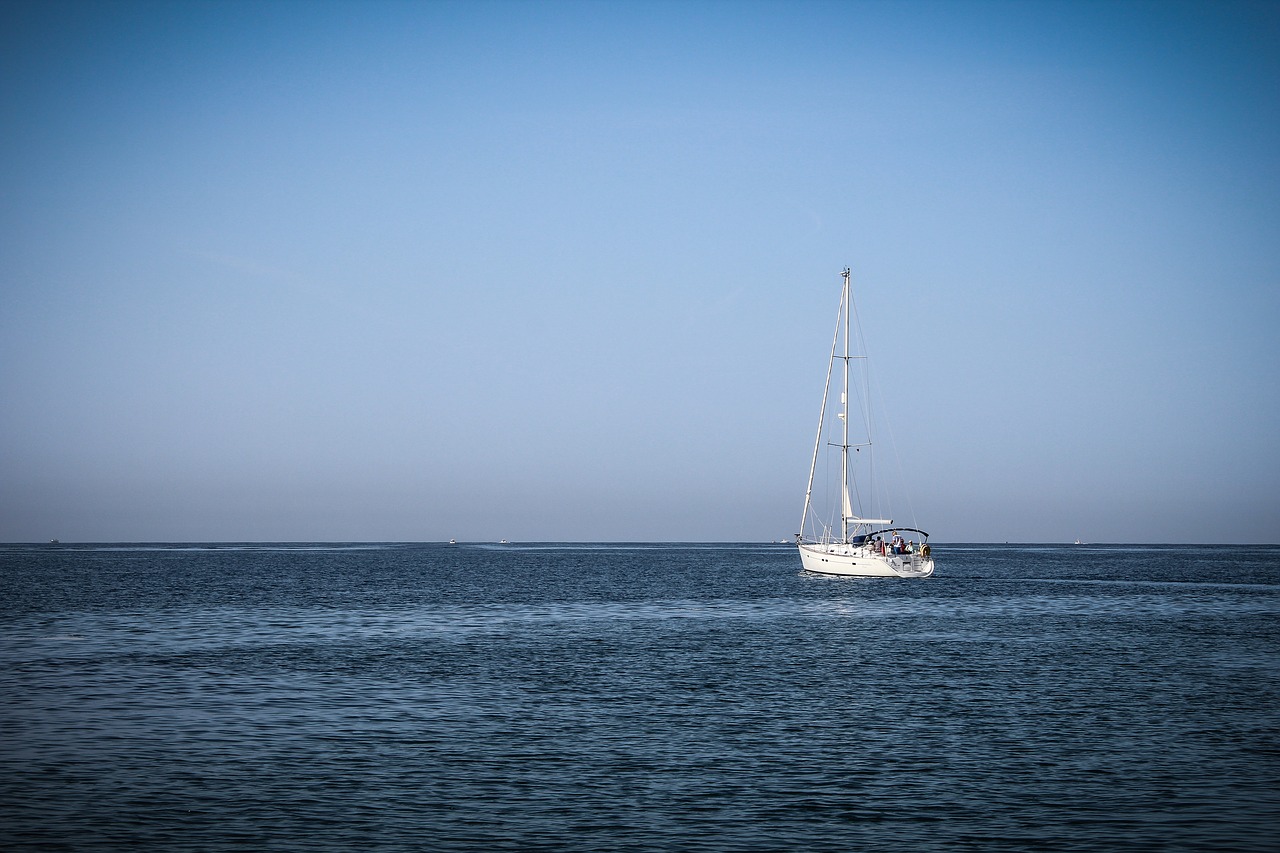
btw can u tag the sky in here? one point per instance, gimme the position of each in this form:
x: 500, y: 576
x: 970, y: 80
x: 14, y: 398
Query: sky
x: 412, y: 271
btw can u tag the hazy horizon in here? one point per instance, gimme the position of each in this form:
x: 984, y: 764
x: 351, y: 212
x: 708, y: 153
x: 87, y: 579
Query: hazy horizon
x: 602, y: 545
x: 566, y: 272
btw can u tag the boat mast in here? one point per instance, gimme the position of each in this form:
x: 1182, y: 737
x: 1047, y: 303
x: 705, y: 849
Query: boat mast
x: 845, y: 508
x: 822, y: 414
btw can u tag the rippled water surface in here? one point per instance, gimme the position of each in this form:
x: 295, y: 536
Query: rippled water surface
x: 659, y: 697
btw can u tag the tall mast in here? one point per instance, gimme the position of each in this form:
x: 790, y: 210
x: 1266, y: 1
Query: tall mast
x: 822, y: 414
x: 844, y: 441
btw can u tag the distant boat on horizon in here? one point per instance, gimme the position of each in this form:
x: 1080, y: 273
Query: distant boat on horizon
x: 857, y: 546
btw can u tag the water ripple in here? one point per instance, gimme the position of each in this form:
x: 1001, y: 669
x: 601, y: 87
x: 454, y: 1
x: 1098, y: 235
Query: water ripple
x: 632, y: 699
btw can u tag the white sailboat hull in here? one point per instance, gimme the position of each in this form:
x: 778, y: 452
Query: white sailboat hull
x: 859, y: 561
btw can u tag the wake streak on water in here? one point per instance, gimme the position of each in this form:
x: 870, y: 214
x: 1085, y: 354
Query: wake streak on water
x: 231, y: 626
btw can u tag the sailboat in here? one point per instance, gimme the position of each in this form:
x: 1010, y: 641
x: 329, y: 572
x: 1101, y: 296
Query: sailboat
x: 855, y: 544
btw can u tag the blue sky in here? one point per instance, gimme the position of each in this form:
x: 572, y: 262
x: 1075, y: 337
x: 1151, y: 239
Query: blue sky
x: 567, y: 271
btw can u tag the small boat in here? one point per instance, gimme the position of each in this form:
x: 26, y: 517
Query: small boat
x: 453, y: 541
x: 854, y: 544
x: 503, y: 542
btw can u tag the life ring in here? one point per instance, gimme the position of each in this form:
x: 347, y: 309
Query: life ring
x: 924, y: 550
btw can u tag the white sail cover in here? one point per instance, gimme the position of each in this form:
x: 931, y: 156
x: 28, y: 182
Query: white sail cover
x: 853, y: 519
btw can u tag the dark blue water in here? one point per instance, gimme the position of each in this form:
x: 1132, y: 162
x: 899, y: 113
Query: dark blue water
x: 433, y: 697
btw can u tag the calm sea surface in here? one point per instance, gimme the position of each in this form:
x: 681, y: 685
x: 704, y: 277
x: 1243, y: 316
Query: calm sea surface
x: 649, y: 697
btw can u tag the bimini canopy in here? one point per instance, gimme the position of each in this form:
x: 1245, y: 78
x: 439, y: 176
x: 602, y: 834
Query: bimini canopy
x: 900, y: 530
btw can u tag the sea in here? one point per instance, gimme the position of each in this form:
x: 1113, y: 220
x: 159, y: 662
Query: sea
x: 636, y: 697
